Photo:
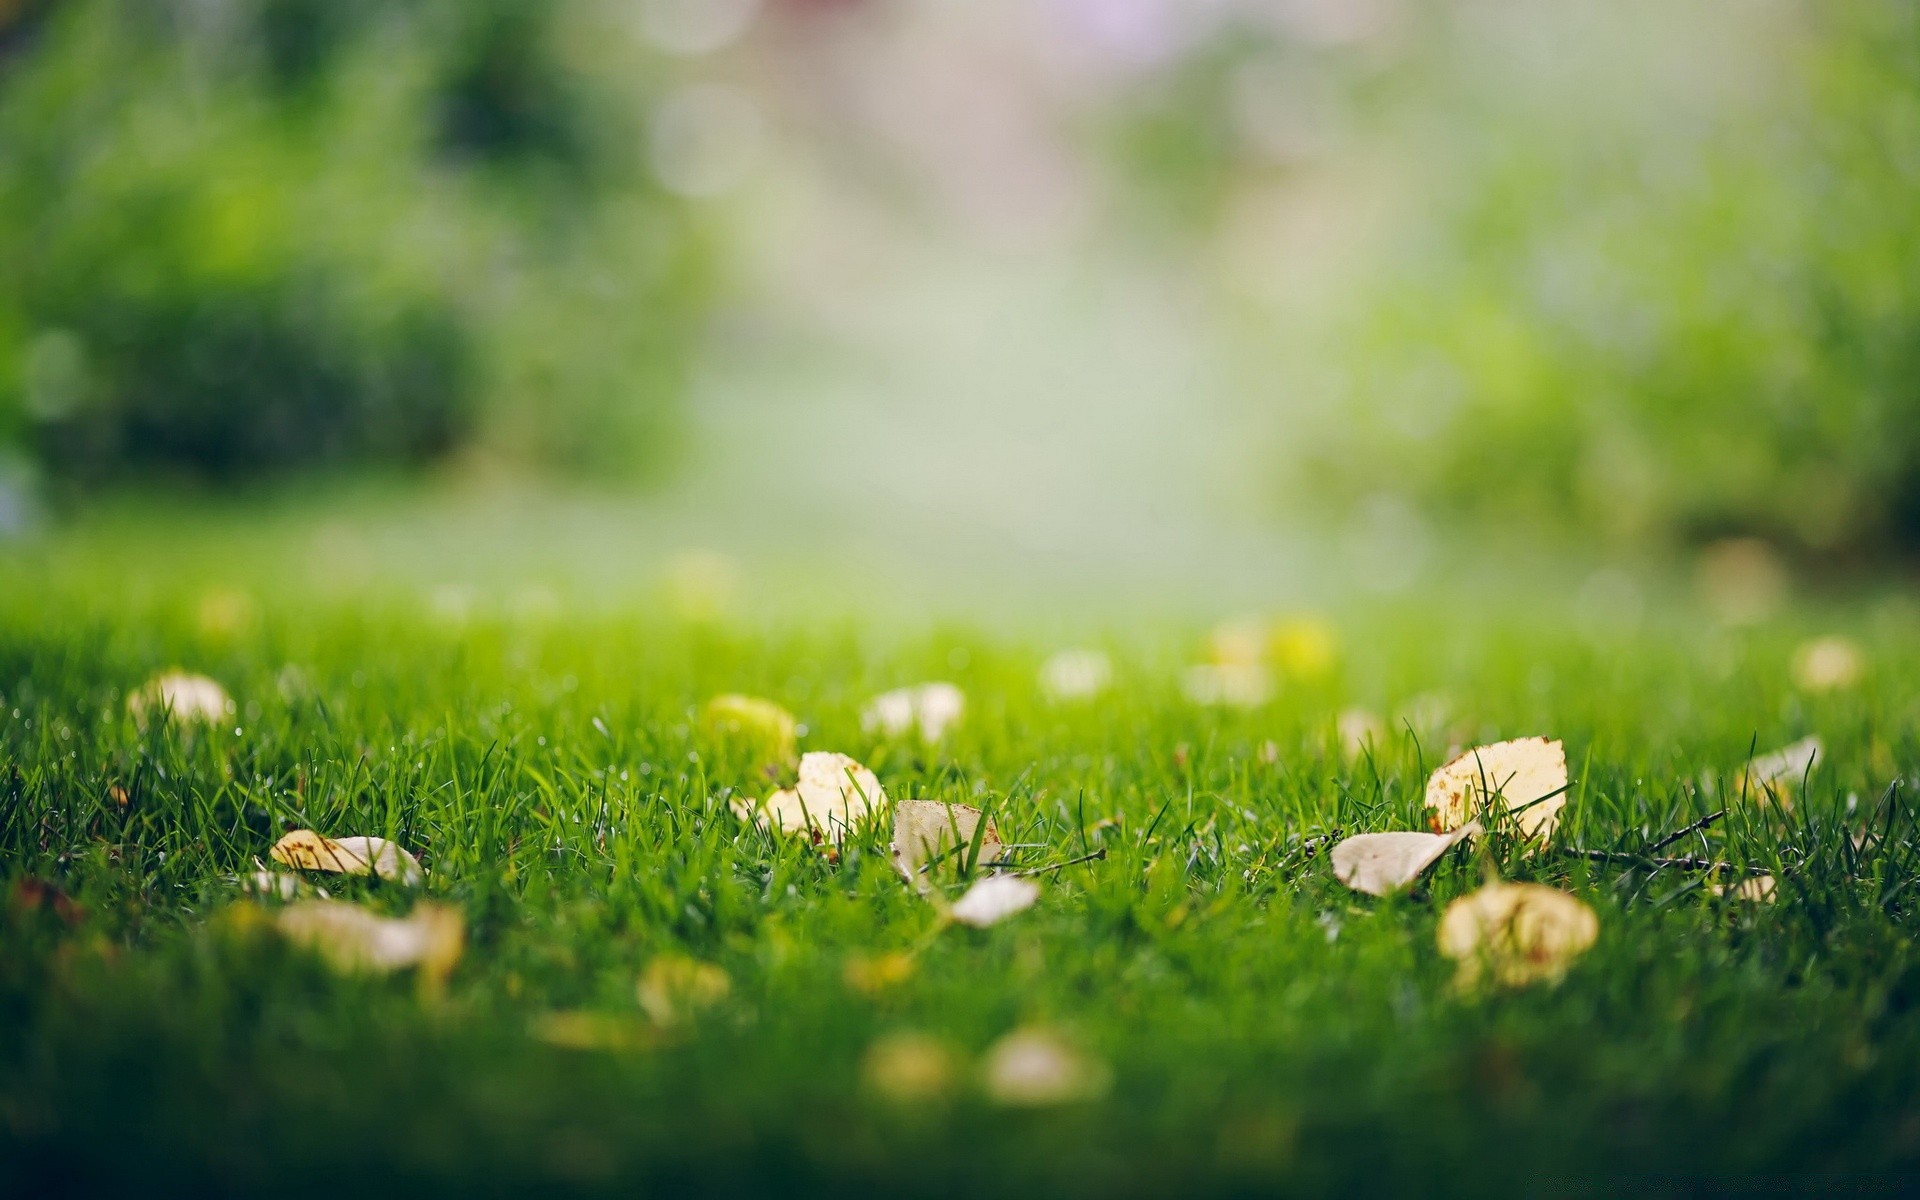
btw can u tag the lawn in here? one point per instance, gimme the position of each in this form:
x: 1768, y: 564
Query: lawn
x: 1242, y: 1022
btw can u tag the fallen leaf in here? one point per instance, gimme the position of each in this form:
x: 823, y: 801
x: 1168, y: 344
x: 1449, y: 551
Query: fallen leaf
x: 674, y: 987
x: 1828, y: 664
x: 308, y: 851
x: 278, y: 884
x: 1075, y: 674
x: 871, y: 975
x: 1742, y: 580
x: 1304, y: 648
x: 1359, y: 731
x: 993, y: 900
x: 1779, y: 774
x: 1378, y: 863
x: 908, y: 1067
x: 1031, y: 1068
x: 431, y: 937
x: 1241, y: 642
x: 1754, y: 889
x: 931, y: 708
x: 760, y: 726
x: 1519, y: 772
x: 925, y: 829
x: 833, y: 795
x: 1517, y: 933
x: 182, y: 696
x: 1235, y: 685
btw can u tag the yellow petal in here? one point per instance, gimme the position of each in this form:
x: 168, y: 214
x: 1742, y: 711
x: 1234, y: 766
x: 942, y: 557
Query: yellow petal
x: 308, y: 851
x: 1518, y: 774
x: 1031, y: 1068
x: 924, y: 829
x: 1378, y: 863
x: 1516, y: 933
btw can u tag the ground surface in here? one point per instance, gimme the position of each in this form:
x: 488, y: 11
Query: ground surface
x: 1264, y: 1030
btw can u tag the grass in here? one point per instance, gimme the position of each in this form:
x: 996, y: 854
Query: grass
x: 1266, y: 1030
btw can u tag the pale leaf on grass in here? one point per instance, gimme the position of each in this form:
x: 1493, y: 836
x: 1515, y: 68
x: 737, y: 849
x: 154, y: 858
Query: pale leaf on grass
x: 674, y: 988
x: 1032, y: 1068
x: 572, y: 1029
x: 1359, y: 731
x: 907, y: 1067
x: 277, y: 884
x: 1755, y: 889
x: 1228, y: 685
x: 924, y: 830
x: 181, y: 696
x: 833, y: 796
x: 308, y: 851
x: 993, y: 900
x: 1828, y: 664
x: 1515, y: 934
x: 1379, y: 863
x: 1526, y: 777
x: 1075, y: 675
x: 351, y: 938
x: 928, y: 708
x: 1778, y: 775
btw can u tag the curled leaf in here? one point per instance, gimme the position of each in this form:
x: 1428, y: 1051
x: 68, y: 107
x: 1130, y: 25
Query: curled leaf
x: 930, y: 708
x: 674, y: 987
x: 1378, y: 863
x: 906, y: 1067
x: 1516, y: 933
x: 1528, y: 777
x: 925, y: 829
x: 759, y: 726
x: 351, y: 938
x: 1031, y: 1068
x: 993, y: 900
x: 182, y: 696
x: 833, y: 795
x: 308, y: 851
x: 1778, y: 774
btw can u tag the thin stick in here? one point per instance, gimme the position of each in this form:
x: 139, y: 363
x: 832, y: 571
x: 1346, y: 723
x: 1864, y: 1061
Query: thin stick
x: 1677, y: 834
x: 1641, y: 860
x: 1100, y: 853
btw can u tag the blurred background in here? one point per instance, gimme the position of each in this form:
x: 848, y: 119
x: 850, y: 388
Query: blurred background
x: 1214, y: 298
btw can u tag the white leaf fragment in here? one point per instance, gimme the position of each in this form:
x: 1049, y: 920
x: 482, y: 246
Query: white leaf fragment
x: 1228, y: 685
x: 1528, y: 777
x: 993, y: 900
x: 308, y: 851
x: 1031, y: 1068
x: 1075, y: 675
x: 1378, y: 863
x: 923, y: 830
x: 833, y: 795
x: 351, y: 938
x: 1778, y: 774
x: 930, y: 708
x: 182, y: 696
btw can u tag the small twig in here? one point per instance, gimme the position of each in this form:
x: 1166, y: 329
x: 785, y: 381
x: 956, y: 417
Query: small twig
x: 1677, y: 834
x: 1642, y: 860
x: 1100, y: 853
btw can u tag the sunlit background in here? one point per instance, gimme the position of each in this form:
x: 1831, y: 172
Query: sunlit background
x: 946, y: 305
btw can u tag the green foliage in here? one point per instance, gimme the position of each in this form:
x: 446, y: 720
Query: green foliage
x: 273, y: 234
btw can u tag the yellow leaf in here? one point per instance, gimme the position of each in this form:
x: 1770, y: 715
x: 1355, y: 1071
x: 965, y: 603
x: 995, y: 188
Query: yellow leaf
x: 907, y: 1067
x: 761, y: 726
x: 1516, y: 933
x: 1304, y: 648
x: 1518, y: 773
x: 575, y: 1030
x: 833, y: 796
x: 1378, y: 863
x: 872, y: 975
x: 308, y: 851
x: 1755, y: 889
x: 674, y: 987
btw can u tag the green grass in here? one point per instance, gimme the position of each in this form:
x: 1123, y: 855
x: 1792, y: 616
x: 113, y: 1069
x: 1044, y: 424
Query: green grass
x: 1267, y: 1031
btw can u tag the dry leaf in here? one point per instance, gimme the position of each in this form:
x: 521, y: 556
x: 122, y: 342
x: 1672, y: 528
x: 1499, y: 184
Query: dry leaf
x: 931, y: 708
x: 1236, y: 685
x: 181, y: 696
x: 834, y: 794
x: 1030, y: 1068
x: 278, y: 884
x: 1778, y: 774
x: 1519, y: 772
x: 1828, y: 664
x: 925, y: 829
x: 1359, y: 731
x: 907, y: 1067
x: 308, y: 851
x: 761, y: 726
x: 993, y: 900
x: 674, y: 987
x: 1516, y: 932
x: 430, y: 937
x: 1075, y: 674
x: 1378, y: 863
x: 1754, y: 889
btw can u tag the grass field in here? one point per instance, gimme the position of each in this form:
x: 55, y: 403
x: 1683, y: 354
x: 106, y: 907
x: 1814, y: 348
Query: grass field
x: 1249, y: 1025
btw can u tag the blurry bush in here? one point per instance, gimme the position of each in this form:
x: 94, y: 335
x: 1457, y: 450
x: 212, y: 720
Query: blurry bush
x: 241, y: 236
x: 1650, y: 273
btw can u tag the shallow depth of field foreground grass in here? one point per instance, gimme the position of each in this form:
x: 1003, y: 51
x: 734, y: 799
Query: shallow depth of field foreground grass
x: 1261, y: 1028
